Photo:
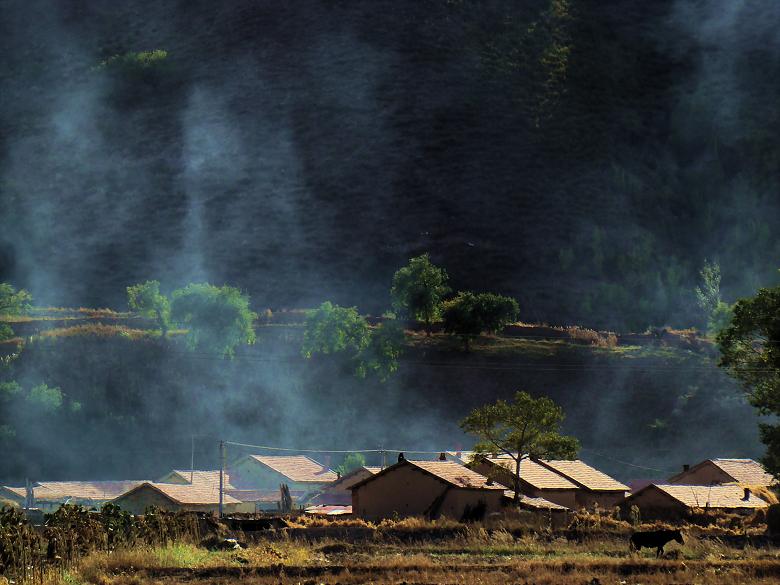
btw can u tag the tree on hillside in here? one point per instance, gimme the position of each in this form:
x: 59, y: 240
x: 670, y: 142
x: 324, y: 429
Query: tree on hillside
x: 470, y: 314
x: 147, y: 301
x: 217, y: 318
x: 384, y: 350
x: 418, y: 289
x: 526, y: 427
x: 750, y: 351
x: 716, y: 312
x: 12, y: 302
x: 331, y: 329
x: 351, y: 462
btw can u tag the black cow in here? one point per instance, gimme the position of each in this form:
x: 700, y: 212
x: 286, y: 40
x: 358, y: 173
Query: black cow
x: 655, y: 539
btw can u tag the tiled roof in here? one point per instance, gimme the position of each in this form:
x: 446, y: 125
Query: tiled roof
x: 534, y: 474
x: 298, y: 468
x: 95, y: 491
x: 534, y: 503
x: 745, y: 471
x: 583, y: 474
x: 703, y: 496
x: 456, y: 474
x: 194, y: 494
x: 199, y: 476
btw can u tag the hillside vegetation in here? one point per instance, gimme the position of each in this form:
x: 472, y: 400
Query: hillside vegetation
x: 651, y: 404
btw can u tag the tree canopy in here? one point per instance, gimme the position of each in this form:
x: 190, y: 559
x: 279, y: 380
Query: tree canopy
x: 217, y: 318
x: 12, y: 302
x: 470, y: 314
x: 351, y: 462
x: 525, y: 427
x: 750, y: 351
x: 331, y: 329
x: 418, y: 289
x: 146, y: 299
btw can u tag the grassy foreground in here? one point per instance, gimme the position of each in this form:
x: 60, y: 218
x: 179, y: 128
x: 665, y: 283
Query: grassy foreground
x: 479, y: 556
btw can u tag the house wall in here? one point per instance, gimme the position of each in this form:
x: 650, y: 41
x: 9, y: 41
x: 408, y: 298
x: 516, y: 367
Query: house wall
x: 138, y: 501
x: 655, y: 504
x: 566, y: 498
x: 604, y: 499
x: 707, y: 474
x: 407, y: 491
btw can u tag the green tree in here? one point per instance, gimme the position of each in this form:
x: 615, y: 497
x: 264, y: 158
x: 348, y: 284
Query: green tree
x: 331, y: 329
x: 470, y: 314
x: 750, y: 351
x: 351, y: 462
x: 719, y: 318
x: 147, y: 301
x: 217, y: 318
x: 383, y: 352
x: 418, y: 289
x: 45, y: 397
x: 716, y: 312
x: 12, y: 302
x: 526, y: 427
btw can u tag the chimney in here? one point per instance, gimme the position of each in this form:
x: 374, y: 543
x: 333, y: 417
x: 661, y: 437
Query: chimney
x: 401, y: 457
x: 686, y: 467
x: 747, y: 494
x: 442, y: 456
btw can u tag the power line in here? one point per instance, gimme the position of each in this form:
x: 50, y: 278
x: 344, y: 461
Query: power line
x: 326, y: 451
x: 664, y: 471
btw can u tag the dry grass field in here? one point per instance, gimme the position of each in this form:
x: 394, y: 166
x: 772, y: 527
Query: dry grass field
x: 416, y: 552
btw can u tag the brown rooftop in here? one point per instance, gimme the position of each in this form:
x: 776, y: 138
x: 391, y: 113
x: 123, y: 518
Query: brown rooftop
x: 534, y: 503
x: 456, y: 474
x: 298, y: 468
x: 78, y: 490
x: 199, y: 476
x: 194, y: 494
x: 704, y: 496
x: 584, y: 475
x: 533, y: 473
x: 745, y: 471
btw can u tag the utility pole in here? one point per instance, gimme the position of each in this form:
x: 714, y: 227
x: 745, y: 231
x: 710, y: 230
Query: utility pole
x: 192, y: 458
x: 221, y: 474
x: 384, y: 456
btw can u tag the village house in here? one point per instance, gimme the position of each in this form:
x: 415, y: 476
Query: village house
x: 557, y: 516
x: 668, y: 501
x: 721, y: 471
x: 339, y: 493
x: 425, y: 488
x: 175, y: 497
x: 48, y: 496
x: 536, y: 480
x: 302, y: 475
x: 251, y: 500
x: 595, y: 487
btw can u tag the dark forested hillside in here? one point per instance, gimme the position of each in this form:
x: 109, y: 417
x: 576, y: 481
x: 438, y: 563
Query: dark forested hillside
x: 583, y: 156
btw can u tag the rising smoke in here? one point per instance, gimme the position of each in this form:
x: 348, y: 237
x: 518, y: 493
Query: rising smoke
x: 304, y: 153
